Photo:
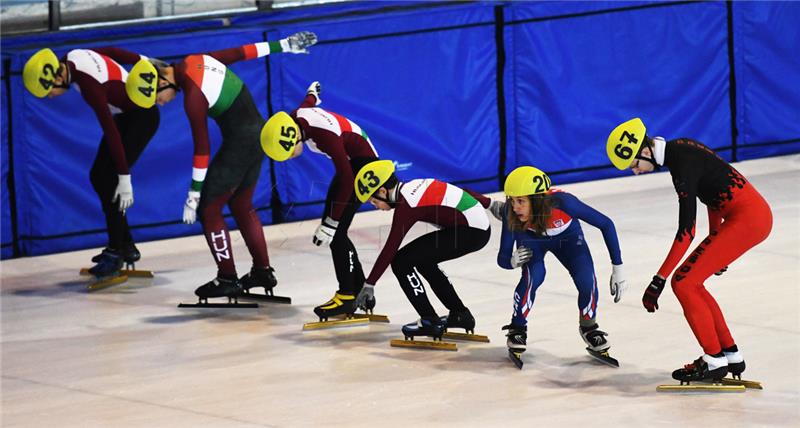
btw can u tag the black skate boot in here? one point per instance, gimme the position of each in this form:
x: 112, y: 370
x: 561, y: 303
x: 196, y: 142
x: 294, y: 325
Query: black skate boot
x: 424, y: 327
x: 517, y: 338
x: 130, y: 254
x: 259, y: 277
x: 339, y: 304
x: 706, y: 368
x: 108, y: 264
x: 459, y: 319
x: 735, y: 359
x: 594, y: 338
x: 97, y: 257
x: 219, y: 287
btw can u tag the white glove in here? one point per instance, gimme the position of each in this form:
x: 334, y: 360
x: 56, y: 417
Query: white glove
x: 496, y: 208
x: 367, y: 293
x: 190, y: 207
x: 520, y: 256
x: 124, y: 192
x: 325, y: 232
x: 617, y: 282
x: 298, y: 42
x: 315, y: 89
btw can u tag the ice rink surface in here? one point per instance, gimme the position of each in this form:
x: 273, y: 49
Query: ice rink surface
x: 127, y: 356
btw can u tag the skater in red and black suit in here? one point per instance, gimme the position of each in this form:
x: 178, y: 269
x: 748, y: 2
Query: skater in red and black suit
x: 211, y: 89
x: 124, y: 105
x: 739, y: 218
x: 349, y: 148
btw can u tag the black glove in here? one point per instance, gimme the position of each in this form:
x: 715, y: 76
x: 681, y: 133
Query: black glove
x: 650, y: 298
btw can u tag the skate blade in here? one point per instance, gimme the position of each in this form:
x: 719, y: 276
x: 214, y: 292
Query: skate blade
x: 131, y: 273
x: 232, y: 303
x: 105, y: 283
x: 424, y: 344
x: 370, y: 317
x: 516, y: 358
x: 266, y: 298
x: 700, y: 388
x: 347, y: 322
x: 466, y: 336
x: 604, y: 358
x: 748, y: 384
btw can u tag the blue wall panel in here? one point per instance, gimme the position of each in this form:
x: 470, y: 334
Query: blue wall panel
x: 6, y: 232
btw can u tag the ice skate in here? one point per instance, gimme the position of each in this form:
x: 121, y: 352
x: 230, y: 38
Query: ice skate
x: 706, y: 369
x: 736, y: 367
x: 107, y: 271
x: 461, y: 319
x: 341, y: 307
x: 424, y: 327
x: 261, y: 277
x: 516, y: 342
x: 130, y: 255
x: 598, y: 346
x: 219, y: 287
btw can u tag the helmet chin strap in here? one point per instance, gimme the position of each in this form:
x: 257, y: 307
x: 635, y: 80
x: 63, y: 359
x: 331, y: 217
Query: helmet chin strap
x: 391, y: 200
x: 651, y: 159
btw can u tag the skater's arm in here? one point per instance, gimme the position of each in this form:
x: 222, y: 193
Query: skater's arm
x: 296, y: 43
x: 577, y: 209
x: 95, y: 95
x: 483, y: 200
x: 506, y: 244
x: 687, y: 212
x: 196, y: 108
x: 119, y: 55
x: 344, y: 172
x: 401, y: 223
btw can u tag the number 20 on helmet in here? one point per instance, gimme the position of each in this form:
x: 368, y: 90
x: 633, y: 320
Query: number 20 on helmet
x: 624, y: 143
x: 526, y: 180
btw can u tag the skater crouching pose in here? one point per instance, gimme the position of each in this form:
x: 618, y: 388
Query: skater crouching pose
x: 212, y: 89
x: 124, y: 105
x: 464, y: 229
x: 541, y: 219
x: 349, y: 148
x: 739, y: 218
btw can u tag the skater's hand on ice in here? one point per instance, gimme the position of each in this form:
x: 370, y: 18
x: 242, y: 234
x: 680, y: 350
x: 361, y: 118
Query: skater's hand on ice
x: 367, y: 293
x: 617, y: 283
x: 721, y: 271
x: 316, y: 90
x: 325, y: 232
x: 520, y: 256
x: 124, y: 192
x: 298, y: 42
x: 496, y: 208
x: 650, y: 298
x: 190, y: 207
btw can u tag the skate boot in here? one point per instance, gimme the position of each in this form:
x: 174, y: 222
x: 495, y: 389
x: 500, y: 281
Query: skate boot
x: 130, y: 253
x: 517, y: 338
x: 98, y: 257
x: 459, y: 319
x: 424, y: 327
x: 735, y: 361
x: 108, y: 264
x: 594, y: 338
x: 219, y: 287
x: 706, y: 368
x: 339, y: 304
x: 259, y: 277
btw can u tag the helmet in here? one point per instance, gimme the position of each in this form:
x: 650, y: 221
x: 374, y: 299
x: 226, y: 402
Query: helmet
x: 141, y: 84
x: 371, y: 177
x: 279, y: 136
x: 624, y: 143
x: 526, y: 180
x: 40, y: 71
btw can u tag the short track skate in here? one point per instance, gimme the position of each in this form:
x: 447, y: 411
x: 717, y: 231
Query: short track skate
x: 700, y: 387
x: 427, y: 328
x: 516, y: 358
x: 436, y: 344
x: 267, y: 296
x: 233, y: 303
x: 101, y: 283
x: 603, y: 357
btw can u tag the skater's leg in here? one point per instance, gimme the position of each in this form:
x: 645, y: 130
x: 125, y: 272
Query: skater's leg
x: 241, y: 206
x: 104, y: 180
x: 573, y: 253
x: 533, y: 274
x: 349, y: 273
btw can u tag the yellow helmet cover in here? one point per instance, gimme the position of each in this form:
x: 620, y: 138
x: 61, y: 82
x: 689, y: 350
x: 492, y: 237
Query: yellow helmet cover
x: 526, y: 180
x: 279, y: 136
x: 624, y: 143
x: 371, y: 177
x: 39, y: 73
x: 142, y: 83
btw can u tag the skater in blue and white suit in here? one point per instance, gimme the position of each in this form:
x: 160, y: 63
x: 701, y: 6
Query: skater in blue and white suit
x: 541, y: 219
